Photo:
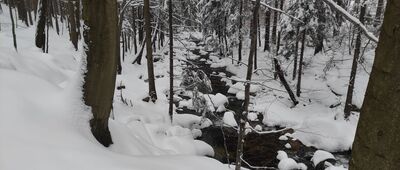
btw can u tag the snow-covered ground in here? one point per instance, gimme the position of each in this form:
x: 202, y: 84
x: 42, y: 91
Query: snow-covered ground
x: 44, y: 124
x: 315, y: 121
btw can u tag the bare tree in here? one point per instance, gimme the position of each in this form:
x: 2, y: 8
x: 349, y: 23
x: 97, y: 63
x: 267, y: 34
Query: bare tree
x: 73, y: 30
x: 171, y: 60
x: 296, y: 53
x: 275, y: 23
x: 134, y: 28
x: 300, y: 72
x: 348, y: 107
x: 40, y: 39
x: 243, y: 115
x: 240, y: 31
x: 267, y: 29
x: 13, y: 26
x: 149, y: 51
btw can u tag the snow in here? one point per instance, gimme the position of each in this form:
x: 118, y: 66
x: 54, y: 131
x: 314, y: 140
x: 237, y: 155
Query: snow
x: 336, y: 168
x: 229, y: 119
x: 283, y: 137
x: 320, y: 156
x: 325, y: 134
x: 190, y: 121
x: 216, y: 100
x: 352, y: 19
x: 288, y: 146
x: 286, y: 163
x: 45, y: 124
x: 281, y: 155
x: 252, y: 116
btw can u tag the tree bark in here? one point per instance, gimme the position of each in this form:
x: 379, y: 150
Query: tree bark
x: 296, y: 53
x: 267, y: 29
x: 149, y: 51
x: 348, y: 107
x: 40, y: 39
x: 284, y: 82
x: 13, y: 27
x: 171, y: 61
x: 303, y: 39
x: 140, y: 23
x: 73, y: 33
x: 240, y: 31
x: 378, y: 13
x: 376, y: 144
x: 100, y: 33
x: 134, y: 29
x: 278, y: 44
x: 243, y: 115
x: 275, y: 23
x: 319, y: 43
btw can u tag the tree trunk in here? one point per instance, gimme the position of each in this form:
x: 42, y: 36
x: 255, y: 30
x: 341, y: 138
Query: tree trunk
x: 171, y: 61
x: 73, y: 33
x: 319, y: 44
x: 259, y: 31
x: 348, y: 107
x: 21, y: 8
x: 78, y: 17
x: 303, y: 39
x: 275, y: 23
x: 149, y: 51
x: 134, y: 29
x: 13, y: 27
x: 100, y: 33
x: 267, y: 29
x: 296, y: 53
x: 284, y: 82
x: 376, y: 144
x: 40, y: 39
x: 119, y: 36
x: 378, y: 13
x: 123, y: 47
x: 140, y: 23
x: 240, y: 31
x: 138, y: 58
x: 243, y: 115
x: 278, y: 43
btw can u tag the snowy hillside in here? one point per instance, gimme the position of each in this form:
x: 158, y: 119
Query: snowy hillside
x: 44, y: 124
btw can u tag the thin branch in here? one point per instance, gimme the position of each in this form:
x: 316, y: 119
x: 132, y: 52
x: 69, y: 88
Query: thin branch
x: 352, y: 19
x: 279, y: 10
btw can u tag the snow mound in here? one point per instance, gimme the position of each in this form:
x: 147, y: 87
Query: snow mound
x: 229, y: 119
x: 320, y: 156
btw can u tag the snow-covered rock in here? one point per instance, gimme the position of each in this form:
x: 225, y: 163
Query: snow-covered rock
x: 229, y: 119
x: 320, y: 156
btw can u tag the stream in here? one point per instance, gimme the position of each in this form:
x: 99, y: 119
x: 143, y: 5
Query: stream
x: 260, y: 150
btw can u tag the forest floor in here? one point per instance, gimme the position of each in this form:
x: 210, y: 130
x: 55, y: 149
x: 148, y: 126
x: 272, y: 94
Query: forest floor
x: 44, y: 124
